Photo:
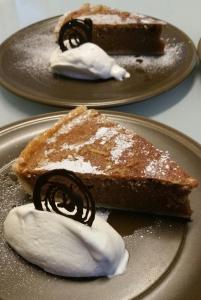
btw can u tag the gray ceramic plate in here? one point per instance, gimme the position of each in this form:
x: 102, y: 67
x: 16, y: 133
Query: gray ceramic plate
x: 165, y: 253
x: 24, y: 70
x: 199, y: 49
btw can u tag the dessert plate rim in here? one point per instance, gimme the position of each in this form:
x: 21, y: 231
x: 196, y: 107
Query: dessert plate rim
x: 199, y: 49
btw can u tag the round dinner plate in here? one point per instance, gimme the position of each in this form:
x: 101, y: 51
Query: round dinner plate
x: 165, y: 253
x: 24, y: 70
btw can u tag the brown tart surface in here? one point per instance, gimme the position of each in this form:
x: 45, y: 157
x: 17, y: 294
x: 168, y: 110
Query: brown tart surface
x: 120, y: 32
x: 122, y: 169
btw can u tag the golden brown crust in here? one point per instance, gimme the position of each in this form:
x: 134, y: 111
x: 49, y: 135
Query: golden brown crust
x: 23, y: 163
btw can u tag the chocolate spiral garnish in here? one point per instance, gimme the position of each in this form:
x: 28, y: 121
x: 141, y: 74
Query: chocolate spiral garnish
x: 64, y: 186
x: 76, y: 32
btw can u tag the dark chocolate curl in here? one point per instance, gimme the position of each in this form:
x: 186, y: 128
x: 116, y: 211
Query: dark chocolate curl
x: 63, y: 189
x: 76, y: 32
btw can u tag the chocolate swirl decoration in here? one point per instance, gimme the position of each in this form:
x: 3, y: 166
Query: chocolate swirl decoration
x: 77, y: 32
x: 66, y: 186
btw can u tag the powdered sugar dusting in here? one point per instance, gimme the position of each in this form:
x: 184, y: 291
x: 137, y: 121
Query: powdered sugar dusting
x: 81, y: 119
x: 116, y: 19
x: 76, y: 164
x: 67, y: 127
x: 109, y: 133
x: 13, y: 269
x: 37, y: 49
x: 122, y: 143
x: 173, y: 54
x: 104, y: 19
x: 123, y: 140
x: 34, y: 48
x: 103, y: 134
x: 158, y: 167
x: 146, y: 19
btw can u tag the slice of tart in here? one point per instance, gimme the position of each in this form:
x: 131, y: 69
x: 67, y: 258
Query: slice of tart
x: 119, y: 32
x: 122, y: 169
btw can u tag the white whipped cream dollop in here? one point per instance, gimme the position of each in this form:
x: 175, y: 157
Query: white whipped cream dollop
x: 63, y: 246
x: 88, y: 62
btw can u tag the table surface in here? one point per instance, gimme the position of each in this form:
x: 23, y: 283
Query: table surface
x: 179, y: 108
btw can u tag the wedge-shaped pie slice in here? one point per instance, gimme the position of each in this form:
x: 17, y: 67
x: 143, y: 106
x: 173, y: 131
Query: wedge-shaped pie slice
x: 121, y: 168
x: 119, y: 32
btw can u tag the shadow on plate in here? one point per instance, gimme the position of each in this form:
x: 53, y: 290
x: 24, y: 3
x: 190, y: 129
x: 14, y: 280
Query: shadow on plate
x: 163, y: 102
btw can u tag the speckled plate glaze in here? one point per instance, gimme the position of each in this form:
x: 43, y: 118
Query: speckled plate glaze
x: 24, y: 70
x: 165, y: 253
